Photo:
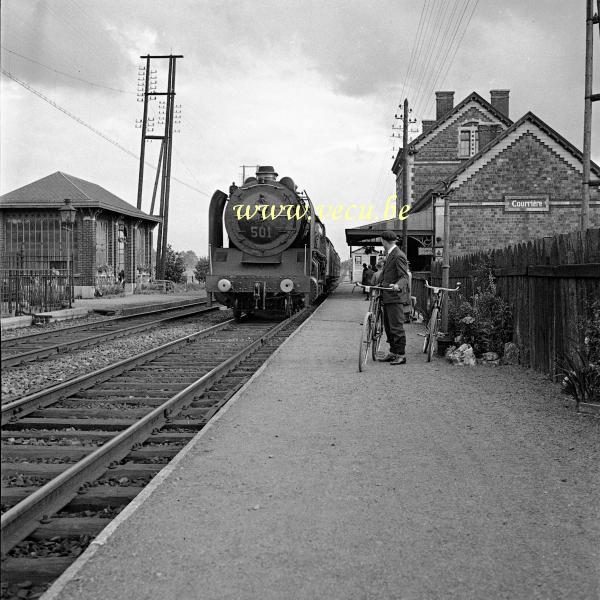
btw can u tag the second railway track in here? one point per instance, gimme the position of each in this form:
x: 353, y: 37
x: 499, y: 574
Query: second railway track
x: 40, y: 345
x: 74, y: 455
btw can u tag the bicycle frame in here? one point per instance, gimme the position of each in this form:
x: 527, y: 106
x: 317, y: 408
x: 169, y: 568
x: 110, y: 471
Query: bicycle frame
x: 431, y: 334
x: 372, y: 326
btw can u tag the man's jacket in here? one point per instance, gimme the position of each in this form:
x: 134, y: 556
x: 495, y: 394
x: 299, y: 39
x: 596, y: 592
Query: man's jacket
x: 395, y: 270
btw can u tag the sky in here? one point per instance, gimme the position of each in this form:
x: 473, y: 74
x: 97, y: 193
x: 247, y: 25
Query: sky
x: 308, y: 86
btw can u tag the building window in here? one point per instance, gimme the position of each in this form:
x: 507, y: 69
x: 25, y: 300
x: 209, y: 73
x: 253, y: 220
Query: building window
x: 468, y: 141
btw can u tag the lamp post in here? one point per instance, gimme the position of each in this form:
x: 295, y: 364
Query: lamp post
x: 67, y: 220
x: 122, y: 239
x: 446, y: 255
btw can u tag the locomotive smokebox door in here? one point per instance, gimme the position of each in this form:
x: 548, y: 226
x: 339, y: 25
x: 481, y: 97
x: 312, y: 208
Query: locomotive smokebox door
x: 262, y: 219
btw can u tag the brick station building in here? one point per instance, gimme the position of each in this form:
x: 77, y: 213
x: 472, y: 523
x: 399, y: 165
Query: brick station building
x: 109, y: 234
x: 509, y: 182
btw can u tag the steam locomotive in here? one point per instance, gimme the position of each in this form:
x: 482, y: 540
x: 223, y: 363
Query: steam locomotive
x: 279, y: 259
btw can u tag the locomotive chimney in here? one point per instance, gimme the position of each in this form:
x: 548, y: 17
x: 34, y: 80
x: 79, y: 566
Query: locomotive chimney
x: 265, y: 174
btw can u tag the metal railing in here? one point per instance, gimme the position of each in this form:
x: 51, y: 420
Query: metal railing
x: 26, y: 291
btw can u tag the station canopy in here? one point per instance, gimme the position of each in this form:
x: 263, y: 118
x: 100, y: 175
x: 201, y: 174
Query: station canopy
x: 419, y: 225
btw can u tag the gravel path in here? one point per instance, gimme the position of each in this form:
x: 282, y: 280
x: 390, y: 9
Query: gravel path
x: 420, y: 482
x: 28, y: 378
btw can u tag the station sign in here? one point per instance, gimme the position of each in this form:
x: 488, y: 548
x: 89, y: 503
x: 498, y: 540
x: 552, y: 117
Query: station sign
x: 526, y: 204
x: 424, y: 251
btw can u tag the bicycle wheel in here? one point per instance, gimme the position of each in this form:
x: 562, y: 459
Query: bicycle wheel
x: 432, y: 338
x: 425, y: 340
x: 377, y: 332
x: 365, y: 342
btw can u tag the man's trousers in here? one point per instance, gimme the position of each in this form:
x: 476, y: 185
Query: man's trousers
x: 393, y: 322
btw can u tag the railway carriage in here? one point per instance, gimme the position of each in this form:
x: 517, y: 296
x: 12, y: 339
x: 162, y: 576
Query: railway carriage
x: 279, y: 258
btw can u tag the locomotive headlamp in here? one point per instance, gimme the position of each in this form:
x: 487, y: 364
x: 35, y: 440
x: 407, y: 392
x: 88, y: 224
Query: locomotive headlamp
x: 286, y: 285
x: 224, y: 285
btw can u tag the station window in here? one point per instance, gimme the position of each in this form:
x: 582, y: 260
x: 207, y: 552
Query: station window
x: 468, y: 140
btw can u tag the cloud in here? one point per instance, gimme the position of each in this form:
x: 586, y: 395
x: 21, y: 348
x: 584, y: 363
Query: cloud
x: 310, y: 87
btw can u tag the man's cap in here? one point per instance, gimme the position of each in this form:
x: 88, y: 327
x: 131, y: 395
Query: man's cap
x: 389, y: 236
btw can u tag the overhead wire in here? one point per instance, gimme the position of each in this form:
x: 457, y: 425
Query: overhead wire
x: 413, y: 52
x: 426, y: 89
x: 430, y: 48
x: 454, y: 52
x: 450, y: 23
x: 86, y: 81
x: 91, y: 128
x: 412, y: 61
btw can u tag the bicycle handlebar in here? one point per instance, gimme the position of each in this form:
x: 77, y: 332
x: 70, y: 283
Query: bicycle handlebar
x: 435, y: 287
x: 374, y: 287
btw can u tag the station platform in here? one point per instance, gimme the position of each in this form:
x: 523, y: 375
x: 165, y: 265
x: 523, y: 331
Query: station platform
x: 135, y: 303
x: 115, y: 305
x: 420, y: 481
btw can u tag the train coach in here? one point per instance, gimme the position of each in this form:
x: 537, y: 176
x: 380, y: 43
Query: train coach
x: 279, y: 258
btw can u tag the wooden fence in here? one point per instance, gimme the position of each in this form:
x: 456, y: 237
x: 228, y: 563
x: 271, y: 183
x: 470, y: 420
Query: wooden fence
x: 548, y: 283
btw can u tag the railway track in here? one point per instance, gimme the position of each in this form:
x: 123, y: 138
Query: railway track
x: 75, y: 455
x: 43, y: 344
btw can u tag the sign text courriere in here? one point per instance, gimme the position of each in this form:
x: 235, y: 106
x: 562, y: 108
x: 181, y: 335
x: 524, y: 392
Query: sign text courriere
x: 526, y: 204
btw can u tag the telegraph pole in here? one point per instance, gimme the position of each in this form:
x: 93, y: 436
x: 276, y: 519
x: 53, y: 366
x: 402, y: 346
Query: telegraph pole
x: 405, y: 175
x: 164, y: 162
x: 590, y: 20
x: 143, y: 143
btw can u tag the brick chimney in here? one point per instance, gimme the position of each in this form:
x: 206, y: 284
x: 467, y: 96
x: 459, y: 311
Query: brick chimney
x: 499, y: 100
x: 427, y: 124
x: 444, y: 103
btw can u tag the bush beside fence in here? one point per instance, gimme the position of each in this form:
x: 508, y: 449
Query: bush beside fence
x: 549, y: 284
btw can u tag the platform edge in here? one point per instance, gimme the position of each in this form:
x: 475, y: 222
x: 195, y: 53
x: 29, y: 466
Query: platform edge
x: 71, y: 573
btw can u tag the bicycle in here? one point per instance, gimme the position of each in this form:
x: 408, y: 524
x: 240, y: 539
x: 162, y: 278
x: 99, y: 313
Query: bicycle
x: 431, y: 333
x: 372, y: 330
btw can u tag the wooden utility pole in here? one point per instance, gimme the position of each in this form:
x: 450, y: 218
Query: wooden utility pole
x: 590, y: 97
x: 446, y: 256
x: 404, y: 175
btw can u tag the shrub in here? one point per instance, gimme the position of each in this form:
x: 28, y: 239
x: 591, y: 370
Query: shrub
x: 582, y: 368
x: 485, y: 320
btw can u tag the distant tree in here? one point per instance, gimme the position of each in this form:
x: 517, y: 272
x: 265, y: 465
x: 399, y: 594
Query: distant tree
x: 190, y: 259
x: 201, y: 269
x: 174, y: 265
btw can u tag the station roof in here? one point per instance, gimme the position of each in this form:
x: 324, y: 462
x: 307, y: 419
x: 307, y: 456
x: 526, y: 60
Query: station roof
x: 418, y: 224
x: 472, y: 97
x: 51, y: 191
x: 528, y: 122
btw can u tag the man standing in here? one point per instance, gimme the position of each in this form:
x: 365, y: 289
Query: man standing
x: 394, y: 275
x: 367, y: 275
